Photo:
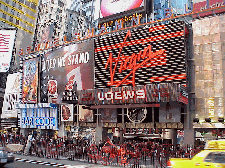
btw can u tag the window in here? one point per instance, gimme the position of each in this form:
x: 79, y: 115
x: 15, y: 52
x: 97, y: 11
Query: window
x: 4, y: 16
x: 215, y: 157
x: 6, y: 8
x: 33, y: 6
x: 12, y: 12
x: 17, y: 22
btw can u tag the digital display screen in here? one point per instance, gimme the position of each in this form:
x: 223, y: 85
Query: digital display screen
x: 110, y: 7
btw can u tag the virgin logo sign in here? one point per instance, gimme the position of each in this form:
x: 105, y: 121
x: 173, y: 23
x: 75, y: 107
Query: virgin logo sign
x: 148, y: 58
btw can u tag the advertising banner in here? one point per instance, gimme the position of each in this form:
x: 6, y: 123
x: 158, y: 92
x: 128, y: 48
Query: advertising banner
x: 141, y: 56
x: 207, y: 4
x: 67, y: 112
x: 30, y: 80
x: 7, y: 38
x: 85, y: 115
x: 67, y: 70
x: 41, y: 118
x: 47, y: 34
x: 108, y: 115
x: 11, y: 97
x: 110, y: 7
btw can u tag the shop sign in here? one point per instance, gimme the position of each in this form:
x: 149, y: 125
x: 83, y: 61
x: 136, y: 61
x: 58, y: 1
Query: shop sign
x: 38, y: 121
x: 42, y: 118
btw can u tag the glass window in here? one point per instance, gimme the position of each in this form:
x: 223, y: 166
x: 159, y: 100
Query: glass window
x: 215, y: 157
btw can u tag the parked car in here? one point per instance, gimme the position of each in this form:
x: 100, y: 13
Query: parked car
x: 6, y: 156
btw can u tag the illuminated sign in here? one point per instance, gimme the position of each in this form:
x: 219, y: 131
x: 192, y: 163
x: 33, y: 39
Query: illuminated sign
x: 138, y: 94
x: 141, y: 56
x: 39, y: 117
x: 119, y: 95
x: 39, y: 121
x: 110, y: 7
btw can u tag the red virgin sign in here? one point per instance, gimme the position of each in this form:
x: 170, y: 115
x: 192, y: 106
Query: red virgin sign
x: 141, y: 56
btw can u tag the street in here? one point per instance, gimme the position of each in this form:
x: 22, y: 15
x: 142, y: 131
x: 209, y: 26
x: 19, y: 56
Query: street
x: 17, y: 164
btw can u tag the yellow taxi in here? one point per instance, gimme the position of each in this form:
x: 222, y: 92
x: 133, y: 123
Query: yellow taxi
x: 213, y: 156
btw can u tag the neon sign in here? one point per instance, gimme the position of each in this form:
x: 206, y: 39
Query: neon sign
x: 150, y: 59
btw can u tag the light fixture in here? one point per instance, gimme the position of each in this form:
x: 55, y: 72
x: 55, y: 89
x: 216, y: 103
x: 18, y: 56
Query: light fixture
x: 220, y: 119
x: 208, y: 120
x: 195, y: 120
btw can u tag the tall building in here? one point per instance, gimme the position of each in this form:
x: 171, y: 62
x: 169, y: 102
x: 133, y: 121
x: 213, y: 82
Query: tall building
x: 80, y: 17
x: 167, y: 8
x: 51, y: 21
x: 21, y: 14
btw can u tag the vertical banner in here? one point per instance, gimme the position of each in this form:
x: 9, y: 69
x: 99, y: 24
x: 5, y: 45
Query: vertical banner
x: 30, y: 80
x: 7, y: 38
x: 67, y: 112
x: 11, y: 97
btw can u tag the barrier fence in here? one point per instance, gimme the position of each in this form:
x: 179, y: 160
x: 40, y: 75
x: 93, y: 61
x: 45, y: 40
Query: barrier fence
x: 123, y: 155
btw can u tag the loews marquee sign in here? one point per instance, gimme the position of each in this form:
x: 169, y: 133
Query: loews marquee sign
x: 128, y: 94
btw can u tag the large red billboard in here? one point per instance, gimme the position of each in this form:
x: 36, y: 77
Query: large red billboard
x: 110, y: 7
x: 141, y: 56
x: 66, y: 70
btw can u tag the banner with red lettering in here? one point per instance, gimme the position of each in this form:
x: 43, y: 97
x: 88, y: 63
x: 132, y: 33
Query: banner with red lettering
x: 141, y: 56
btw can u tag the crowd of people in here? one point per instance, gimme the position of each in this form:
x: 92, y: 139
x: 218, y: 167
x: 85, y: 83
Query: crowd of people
x: 46, y: 146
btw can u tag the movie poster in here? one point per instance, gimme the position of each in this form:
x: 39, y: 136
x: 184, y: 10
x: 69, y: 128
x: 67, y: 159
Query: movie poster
x: 85, y: 115
x: 11, y: 97
x: 30, y: 81
x: 67, y: 112
x: 108, y: 114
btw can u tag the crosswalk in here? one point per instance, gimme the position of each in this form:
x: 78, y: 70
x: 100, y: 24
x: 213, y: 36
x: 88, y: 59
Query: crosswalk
x: 49, y: 163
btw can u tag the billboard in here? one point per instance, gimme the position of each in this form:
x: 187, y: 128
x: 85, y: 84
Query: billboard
x: 41, y: 118
x: 30, y: 80
x: 202, y: 5
x: 47, y: 34
x: 66, y: 70
x: 67, y: 112
x: 7, y: 38
x: 110, y: 7
x: 141, y: 56
x: 11, y: 97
